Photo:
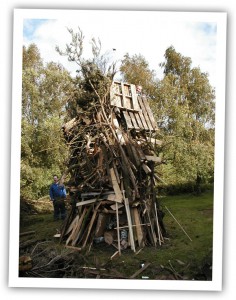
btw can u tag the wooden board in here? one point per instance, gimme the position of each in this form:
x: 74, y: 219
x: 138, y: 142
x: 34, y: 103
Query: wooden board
x: 133, y: 119
x: 91, y: 224
x: 138, y: 227
x: 142, y: 118
x: 145, y: 114
x: 118, y: 194
x: 134, y: 97
x: 86, y: 202
x: 153, y: 158
x: 128, y: 120
x: 149, y: 112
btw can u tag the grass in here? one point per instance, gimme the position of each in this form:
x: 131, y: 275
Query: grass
x: 188, y: 258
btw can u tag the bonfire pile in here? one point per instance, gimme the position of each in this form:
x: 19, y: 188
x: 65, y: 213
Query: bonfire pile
x: 112, y: 173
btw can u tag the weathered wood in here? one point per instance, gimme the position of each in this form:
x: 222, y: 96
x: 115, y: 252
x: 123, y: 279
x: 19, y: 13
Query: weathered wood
x: 118, y: 229
x: 115, y: 255
x: 133, y: 120
x: 87, y: 202
x: 116, y: 187
x: 138, y: 227
x: 149, y: 113
x: 91, y: 224
x: 101, y: 225
x: 140, y: 271
x: 153, y: 158
x: 128, y: 120
x: 73, y: 248
x: 134, y: 97
x: 129, y: 224
x: 76, y: 228
x: 145, y: 114
x: 109, y: 236
x: 27, y: 233
x: 146, y: 168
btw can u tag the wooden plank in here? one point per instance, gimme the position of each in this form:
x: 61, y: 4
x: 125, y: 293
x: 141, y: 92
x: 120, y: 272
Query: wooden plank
x: 141, y: 116
x: 73, y: 248
x: 132, y: 117
x: 156, y: 142
x: 138, y: 227
x: 116, y: 187
x: 152, y: 229
x: 118, y: 229
x: 75, y: 232
x: 123, y: 104
x: 86, y: 202
x: 145, y: 114
x: 91, y: 224
x: 138, y: 120
x: 153, y: 158
x: 113, y: 206
x: 127, y: 120
x: 149, y: 112
x: 72, y: 224
x: 134, y: 97
x: 129, y: 224
x: 146, y: 169
x: 101, y: 225
x: 140, y: 271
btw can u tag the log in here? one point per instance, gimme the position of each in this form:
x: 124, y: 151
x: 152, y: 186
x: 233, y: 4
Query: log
x: 27, y: 233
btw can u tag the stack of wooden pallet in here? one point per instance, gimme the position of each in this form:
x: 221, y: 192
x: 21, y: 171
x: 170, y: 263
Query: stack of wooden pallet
x: 112, y: 173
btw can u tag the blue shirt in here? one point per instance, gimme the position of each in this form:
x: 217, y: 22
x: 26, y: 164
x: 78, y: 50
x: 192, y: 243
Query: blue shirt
x: 57, y: 191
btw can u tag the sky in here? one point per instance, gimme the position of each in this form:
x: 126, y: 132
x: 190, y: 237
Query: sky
x: 148, y: 33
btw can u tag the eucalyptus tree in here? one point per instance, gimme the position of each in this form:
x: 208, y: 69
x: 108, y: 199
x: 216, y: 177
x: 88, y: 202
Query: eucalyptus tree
x: 46, y: 89
x: 185, y: 105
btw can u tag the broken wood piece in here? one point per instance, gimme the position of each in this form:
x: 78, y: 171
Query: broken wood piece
x: 109, y: 236
x: 115, y: 255
x: 118, y: 229
x: 101, y: 225
x: 57, y: 235
x: 153, y: 158
x: 138, y: 227
x: 86, y: 202
x: 73, y: 248
x: 119, y: 205
x: 140, y: 271
x: 146, y: 168
x: 27, y: 233
x: 132, y: 243
x: 178, y: 223
x: 118, y: 194
x: 91, y: 224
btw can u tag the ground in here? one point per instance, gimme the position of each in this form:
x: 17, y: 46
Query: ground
x: 185, y: 255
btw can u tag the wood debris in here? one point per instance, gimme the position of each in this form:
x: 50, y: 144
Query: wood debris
x: 112, y: 173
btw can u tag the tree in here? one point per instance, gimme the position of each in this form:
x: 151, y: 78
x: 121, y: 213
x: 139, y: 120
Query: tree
x: 94, y: 75
x: 185, y: 105
x: 136, y: 70
x: 45, y: 92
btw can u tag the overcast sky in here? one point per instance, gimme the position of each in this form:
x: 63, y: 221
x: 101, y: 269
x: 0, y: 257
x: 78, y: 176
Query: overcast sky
x: 148, y: 33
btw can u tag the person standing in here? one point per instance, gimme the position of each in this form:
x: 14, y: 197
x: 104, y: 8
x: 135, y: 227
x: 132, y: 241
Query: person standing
x: 57, y: 194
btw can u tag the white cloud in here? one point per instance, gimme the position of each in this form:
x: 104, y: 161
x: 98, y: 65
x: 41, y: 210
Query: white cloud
x: 147, y: 33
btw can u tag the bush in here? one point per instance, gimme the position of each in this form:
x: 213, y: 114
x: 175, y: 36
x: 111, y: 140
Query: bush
x: 182, y: 188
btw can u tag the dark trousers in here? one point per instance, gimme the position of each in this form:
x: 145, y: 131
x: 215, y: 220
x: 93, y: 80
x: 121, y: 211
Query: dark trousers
x: 59, y: 209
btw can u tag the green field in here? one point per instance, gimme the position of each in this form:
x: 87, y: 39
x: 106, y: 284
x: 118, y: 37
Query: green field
x: 178, y: 258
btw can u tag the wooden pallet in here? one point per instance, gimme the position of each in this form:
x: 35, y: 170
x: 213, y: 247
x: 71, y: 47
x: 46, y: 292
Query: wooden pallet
x: 135, y: 108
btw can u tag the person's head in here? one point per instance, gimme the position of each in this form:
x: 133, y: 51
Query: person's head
x: 55, y: 178
x: 139, y: 89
